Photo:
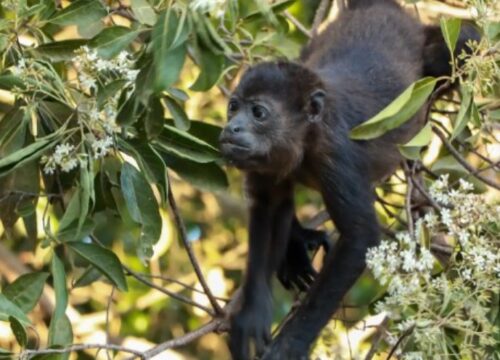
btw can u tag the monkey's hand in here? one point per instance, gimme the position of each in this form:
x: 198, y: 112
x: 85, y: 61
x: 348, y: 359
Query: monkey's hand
x: 252, y: 324
x: 296, y: 269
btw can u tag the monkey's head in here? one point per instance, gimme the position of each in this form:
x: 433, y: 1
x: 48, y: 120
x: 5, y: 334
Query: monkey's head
x: 270, y: 114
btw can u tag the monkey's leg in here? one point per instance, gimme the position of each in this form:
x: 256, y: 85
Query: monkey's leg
x: 296, y: 269
x: 271, y: 217
x: 351, y: 208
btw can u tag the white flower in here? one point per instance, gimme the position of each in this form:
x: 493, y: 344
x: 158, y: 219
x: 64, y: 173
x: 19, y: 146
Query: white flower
x: 463, y: 237
x: 62, y: 150
x: 446, y: 217
x: 467, y: 274
x: 216, y: 7
x: 102, y: 65
x: 409, y: 261
x: 87, y: 83
x: 131, y: 75
x: 431, y: 219
x: 68, y: 164
x: 101, y: 147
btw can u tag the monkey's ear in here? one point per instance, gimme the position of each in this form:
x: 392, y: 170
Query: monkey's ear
x: 316, y: 105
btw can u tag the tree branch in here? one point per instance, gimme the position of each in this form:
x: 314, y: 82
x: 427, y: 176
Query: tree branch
x: 28, y: 354
x: 474, y: 172
x: 192, y: 257
x: 319, y: 16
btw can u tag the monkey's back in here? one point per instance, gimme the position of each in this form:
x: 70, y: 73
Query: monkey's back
x: 366, y: 58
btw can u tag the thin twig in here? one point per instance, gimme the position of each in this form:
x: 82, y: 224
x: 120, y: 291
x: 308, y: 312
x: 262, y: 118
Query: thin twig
x: 108, y: 311
x: 319, y: 16
x: 172, y: 294
x: 183, y: 284
x: 297, y: 24
x: 409, y: 183
x: 186, y: 339
x: 192, y: 257
x: 426, y: 195
x: 401, y: 338
x: 474, y: 172
x: 28, y: 354
x: 377, y: 338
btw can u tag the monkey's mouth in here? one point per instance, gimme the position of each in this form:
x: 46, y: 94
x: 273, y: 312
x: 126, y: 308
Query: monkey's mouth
x: 237, y: 154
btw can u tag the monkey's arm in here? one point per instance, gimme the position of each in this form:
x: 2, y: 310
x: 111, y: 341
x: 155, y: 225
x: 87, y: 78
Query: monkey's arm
x: 348, y: 197
x: 271, y: 214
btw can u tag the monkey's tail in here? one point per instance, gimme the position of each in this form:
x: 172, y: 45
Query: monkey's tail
x: 437, y: 55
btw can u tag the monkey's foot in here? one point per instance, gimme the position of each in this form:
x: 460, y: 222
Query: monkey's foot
x: 296, y: 270
x: 250, y: 326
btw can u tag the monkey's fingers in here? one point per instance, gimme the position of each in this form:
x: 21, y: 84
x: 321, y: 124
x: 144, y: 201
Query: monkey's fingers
x: 285, y: 280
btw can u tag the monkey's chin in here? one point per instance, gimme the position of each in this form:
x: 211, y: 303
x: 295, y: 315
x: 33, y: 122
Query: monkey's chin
x: 239, y: 156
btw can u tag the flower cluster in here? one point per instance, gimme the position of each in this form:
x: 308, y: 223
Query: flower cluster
x: 97, y: 107
x: 214, y: 7
x: 64, y: 156
x: 435, y: 306
x: 91, y: 68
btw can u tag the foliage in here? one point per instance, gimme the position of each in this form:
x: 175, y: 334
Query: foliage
x: 101, y: 102
x: 446, y: 310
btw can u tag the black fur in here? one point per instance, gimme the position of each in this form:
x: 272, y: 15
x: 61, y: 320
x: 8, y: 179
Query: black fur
x: 290, y: 122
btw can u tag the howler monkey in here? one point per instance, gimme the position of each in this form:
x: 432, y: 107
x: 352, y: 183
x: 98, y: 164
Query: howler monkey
x: 289, y: 122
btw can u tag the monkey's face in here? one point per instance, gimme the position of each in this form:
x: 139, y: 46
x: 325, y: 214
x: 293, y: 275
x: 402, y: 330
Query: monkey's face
x: 250, y: 137
x: 269, y: 117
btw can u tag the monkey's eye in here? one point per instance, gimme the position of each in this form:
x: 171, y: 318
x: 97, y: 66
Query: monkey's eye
x: 232, y: 106
x: 259, y: 112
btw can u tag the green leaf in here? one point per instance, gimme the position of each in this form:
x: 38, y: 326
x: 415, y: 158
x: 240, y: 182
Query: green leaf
x: 7, y: 82
x: 169, y: 49
x: 30, y: 152
x: 90, y: 275
x: 59, y: 50
x: 464, y: 114
x: 180, y: 143
x: 60, y: 289
x: 276, y: 8
x: 149, y: 161
x: 72, y: 212
x: 143, y: 12
x: 411, y: 149
x: 206, y: 132
x: 26, y: 290
x: 204, y: 176
x: 492, y: 30
x: 71, y: 232
x: 13, y: 127
x: 19, y: 331
x: 8, y: 308
x: 86, y: 192
x: 142, y: 206
x: 451, y: 30
x: 180, y: 118
x: 211, y: 65
x: 112, y: 40
x: 108, y: 91
x: 397, y: 112
x: 155, y: 118
x: 168, y: 68
x: 104, y: 260
x: 88, y: 31
x: 60, y: 335
x: 80, y: 12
